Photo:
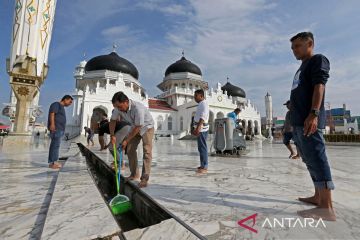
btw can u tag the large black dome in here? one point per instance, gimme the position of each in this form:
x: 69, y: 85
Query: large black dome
x: 233, y: 91
x: 112, y: 62
x: 183, y: 65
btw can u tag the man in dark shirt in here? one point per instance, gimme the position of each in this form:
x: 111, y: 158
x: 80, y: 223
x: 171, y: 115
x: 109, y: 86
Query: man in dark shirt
x: 104, y: 128
x: 308, y: 120
x: 90, y: 137
x: 288, y: 133
x: 104, y: 119
x: 56, y: 126
x: 122, y: 129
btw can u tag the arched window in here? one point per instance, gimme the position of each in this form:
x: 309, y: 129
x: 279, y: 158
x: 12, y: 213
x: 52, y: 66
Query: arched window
x: 190, y: 86
x: 170, y: 123
x: 181, y: 123
x: 183, y: 85
x: 219, y: 115
x: 159, y: 122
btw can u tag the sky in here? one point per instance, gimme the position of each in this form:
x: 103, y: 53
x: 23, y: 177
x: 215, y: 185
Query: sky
x: 245, y: 40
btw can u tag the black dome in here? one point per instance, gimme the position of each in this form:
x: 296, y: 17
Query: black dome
x: 233, y: 91
x: 112, y: 62
x: 183, y: 65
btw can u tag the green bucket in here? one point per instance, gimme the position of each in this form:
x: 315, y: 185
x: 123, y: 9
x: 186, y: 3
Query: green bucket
x: 120, y: 204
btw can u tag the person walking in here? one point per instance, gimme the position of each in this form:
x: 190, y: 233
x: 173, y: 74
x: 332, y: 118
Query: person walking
x: 56, y: 126
x: 90, y: 136
x: 288, y: 133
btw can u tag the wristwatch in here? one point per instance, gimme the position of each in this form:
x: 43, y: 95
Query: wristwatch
x: 316, y: 112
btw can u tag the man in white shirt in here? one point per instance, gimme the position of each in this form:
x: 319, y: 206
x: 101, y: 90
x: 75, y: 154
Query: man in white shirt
x: 142, y: 125
x: 201, y: 129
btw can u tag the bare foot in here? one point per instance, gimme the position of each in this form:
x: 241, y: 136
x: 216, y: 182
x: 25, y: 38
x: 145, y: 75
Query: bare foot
x: 312, y: 200
x: 55, y: 166
x: 201, y: 171
x: 143, y: 184
x: 327, y: 214
x: 132, y: 178
x: 296, y: 157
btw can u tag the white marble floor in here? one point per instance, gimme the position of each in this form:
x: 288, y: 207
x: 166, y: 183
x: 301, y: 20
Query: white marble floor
x: 77, y: 209
x: 264, y: 181
x: 26, y: 187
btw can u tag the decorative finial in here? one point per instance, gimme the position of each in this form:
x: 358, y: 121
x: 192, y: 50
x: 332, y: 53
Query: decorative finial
x: 227, y: 79
x: 84, y: 55
x: 114, y: 47
x: 183, y: 53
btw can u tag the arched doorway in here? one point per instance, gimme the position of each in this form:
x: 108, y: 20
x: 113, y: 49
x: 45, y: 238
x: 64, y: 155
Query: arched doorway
x: 96, y: 117
x: 243, y: 124
x: 181, y: 123
x: 256, y: 127
x: 219, y: 115
x: 192, y: 120
x: 159, y: 122
x: 250, y: 128
x: 169, y: 121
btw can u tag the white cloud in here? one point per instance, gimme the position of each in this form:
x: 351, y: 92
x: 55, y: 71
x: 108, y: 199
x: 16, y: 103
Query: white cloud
x: 122, y: 36
x: 165, y: 7
x: 224, y: 39
x: 344, y: 83
x: 245, y: 40
x: 76, y: 21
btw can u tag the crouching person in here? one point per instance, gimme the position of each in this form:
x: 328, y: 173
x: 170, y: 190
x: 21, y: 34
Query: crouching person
x: 121, y: 130
x: 142, y: 128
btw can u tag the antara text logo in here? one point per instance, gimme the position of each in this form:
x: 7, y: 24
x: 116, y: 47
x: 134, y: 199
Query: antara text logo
x: 281, y: 223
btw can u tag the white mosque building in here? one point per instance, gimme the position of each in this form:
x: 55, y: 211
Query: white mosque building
x: 102, y: 76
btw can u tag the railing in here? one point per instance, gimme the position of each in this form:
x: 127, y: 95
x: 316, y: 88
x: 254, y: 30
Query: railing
x: 177, y: 90
x: 342, y: 138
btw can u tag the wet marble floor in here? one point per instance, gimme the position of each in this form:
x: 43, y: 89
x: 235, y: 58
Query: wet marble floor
x: 263, y: 182
x: 26, y: 187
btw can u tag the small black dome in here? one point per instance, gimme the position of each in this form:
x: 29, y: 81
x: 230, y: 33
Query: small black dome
x: 183, y: 65
x: 112, y: 62
x: 233, y: 91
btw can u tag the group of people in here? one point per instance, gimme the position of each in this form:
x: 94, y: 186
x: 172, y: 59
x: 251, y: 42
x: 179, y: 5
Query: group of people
x: 131, y: 123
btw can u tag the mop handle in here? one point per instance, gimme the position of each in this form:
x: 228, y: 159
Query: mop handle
x: 116, y: 169
x: 120, y: 164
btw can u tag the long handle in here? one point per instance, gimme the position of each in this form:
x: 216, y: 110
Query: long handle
x: 116, y: 170
x: 120, y: 164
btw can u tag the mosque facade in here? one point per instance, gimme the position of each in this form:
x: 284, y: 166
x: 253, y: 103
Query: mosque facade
x: 98, y: 79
